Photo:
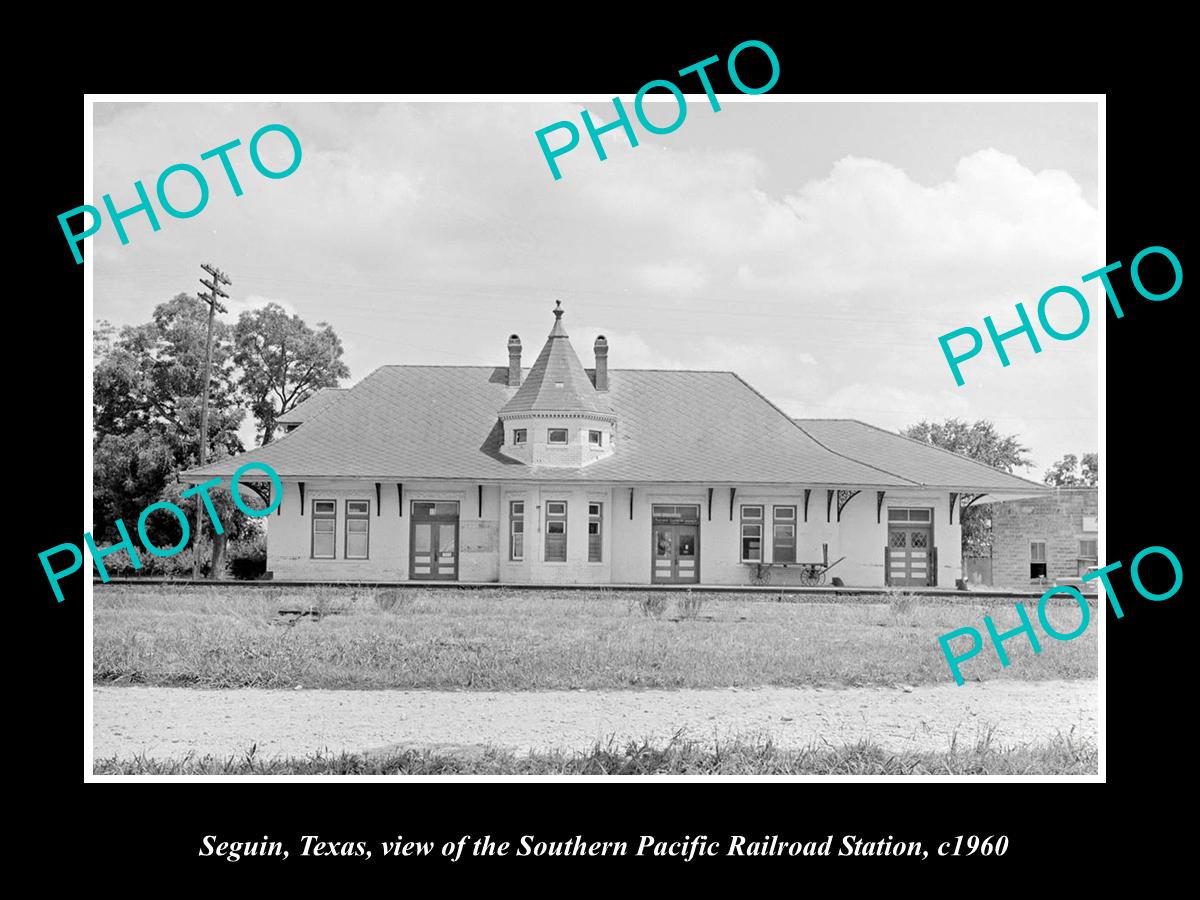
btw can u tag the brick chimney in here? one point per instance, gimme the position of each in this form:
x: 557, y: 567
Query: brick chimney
x: 514, y: 361
x: 601, y: 348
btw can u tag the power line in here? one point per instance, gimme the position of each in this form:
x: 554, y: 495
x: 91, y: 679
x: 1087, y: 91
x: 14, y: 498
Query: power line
x: 489, y: 292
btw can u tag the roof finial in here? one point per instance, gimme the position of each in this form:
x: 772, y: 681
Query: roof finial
x: 558, y: 330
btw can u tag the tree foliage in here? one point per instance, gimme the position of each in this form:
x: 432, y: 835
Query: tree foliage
x: 148, y: 381
x: 128, y: 474
x: 284, y: 362
x: 982, y: 442
x: 151, y: 376
x: 146, y: 389
x: 979, y: 440
x: 1067, y: 473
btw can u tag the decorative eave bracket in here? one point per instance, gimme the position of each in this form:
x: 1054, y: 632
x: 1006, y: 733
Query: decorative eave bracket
x: 845, y: 497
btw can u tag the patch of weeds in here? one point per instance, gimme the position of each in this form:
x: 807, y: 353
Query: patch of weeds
x: 389, y: 599
x: 900, y: 602
x: 330, y: 603
x: 738, y: 756
x: 654, y: 605
x: 689, y: 605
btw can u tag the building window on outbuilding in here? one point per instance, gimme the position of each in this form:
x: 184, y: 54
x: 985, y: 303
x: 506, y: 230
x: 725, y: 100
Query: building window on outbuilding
x: 516, y: 530
x: 595, y: 515
x: 595, y: 438
x: 358, y: 528
x: 556, y: 436
x: 752, y: 527
x: 1088, y: 558
x: 784, y: 546
x: 519, y: 435
x: 1037, y: 559
x: 556, y: 531
x: 324, y: 529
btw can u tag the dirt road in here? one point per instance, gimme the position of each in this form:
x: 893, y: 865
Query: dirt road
x: 169, y: 722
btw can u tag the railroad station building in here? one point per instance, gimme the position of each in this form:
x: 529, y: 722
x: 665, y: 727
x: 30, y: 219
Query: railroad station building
x: 557, y: 473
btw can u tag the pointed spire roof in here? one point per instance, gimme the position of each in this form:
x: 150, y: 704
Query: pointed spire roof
x: 557, y: 382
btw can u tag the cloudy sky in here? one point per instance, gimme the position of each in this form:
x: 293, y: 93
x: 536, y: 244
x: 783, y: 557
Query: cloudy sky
x: 817, y: 249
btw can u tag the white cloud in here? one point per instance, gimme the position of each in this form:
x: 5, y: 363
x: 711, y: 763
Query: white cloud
x: 237, y: 305
x: 429, y: 232
x: 866, y: 226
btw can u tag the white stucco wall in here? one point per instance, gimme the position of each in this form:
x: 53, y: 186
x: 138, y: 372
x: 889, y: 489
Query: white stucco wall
x: 577, y: 569
x: 289, y: 534
x: 626, y: 543
x: 577, y: 452
x: 860, y: 538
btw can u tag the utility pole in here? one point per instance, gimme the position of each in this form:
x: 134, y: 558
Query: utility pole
x: 214, y: 291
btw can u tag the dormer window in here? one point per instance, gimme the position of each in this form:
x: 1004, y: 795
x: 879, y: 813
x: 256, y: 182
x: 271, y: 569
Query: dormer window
x: 556, y: 436
x: 594, y: 438
x: 519, y: 435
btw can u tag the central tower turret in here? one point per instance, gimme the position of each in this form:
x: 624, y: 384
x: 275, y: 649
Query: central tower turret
x: 557, y: 417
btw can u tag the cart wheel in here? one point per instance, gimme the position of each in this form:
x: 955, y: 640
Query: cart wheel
x: 821, y: 578
x: 761, y: 577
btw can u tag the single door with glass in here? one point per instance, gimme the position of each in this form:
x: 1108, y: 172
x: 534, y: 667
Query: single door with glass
x: 675, y: 550
x: 433, y: 543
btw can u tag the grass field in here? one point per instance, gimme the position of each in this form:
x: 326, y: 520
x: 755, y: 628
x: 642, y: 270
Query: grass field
x: 1059, y: 757
x: 507, y: 640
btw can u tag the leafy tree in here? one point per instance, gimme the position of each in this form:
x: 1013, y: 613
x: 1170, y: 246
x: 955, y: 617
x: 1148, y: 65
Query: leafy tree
x: 129, y: 472
x: 982, y: 442
x: 1091, y: 469
x: 148, y: 381
x: 1065, y: 472
x: 236, y: 524
x: 152, y: 376
x: 979, y: 440
x: 147, y: 386
x: 284, y: 362
x: 102, y: 338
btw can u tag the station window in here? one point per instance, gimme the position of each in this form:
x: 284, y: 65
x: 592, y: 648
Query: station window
x: 556, y: 531
x: 358, y: 528
x: 324, y: 529
x: 595, y: 515
x: 519, y: 435
x: 784, y: 531
x: 557, y: 436
x: 516, y: 519
x: 595, y: 438
x: 899, y: 514
x: 752, y: 533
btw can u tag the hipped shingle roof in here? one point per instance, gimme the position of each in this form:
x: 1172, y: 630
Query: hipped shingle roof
x: 914, y: 460
x: 405, y: 423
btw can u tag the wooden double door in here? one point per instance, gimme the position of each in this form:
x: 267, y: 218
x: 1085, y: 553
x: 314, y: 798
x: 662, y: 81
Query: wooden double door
x: 910, y: 552
x: 675, y: 545
x: 433, y: 541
